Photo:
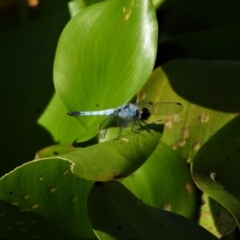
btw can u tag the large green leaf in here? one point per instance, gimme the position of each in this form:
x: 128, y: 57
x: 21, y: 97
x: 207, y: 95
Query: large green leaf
x: 216, y: 167
x: 44, y: 200
x: 115, y: 213
x: 164, y: 182
x: 116, y: 158
x: 105, y: 54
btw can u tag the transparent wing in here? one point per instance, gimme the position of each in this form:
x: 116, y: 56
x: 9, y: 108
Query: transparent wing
x: 161, y: 108
x: 123, y: 122
x: 105, y: 125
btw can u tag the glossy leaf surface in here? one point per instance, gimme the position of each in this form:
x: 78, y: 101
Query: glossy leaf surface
x: 101, y: 63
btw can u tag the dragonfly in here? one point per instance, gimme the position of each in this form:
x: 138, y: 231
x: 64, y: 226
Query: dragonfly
x: 131, y: 113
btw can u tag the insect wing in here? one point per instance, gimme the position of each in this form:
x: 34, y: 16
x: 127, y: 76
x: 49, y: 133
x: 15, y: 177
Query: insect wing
x: 161, y: 108
x: 104, y: 126
x: 122, y: 123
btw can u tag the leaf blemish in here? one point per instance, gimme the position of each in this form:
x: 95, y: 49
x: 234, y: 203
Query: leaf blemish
x: 26, y: 196
x: 196, y: 146
x: 167, y: 207
x: 52, y: 190
x: 213, y: 176
x: 40, y: 178
x: 127, y: 16
x: 168, y: 124
x: 35, y: 206
x: 188, y: 187
x: 176, y: 118
x: 185, y: 133
x: 65, y: 172
x: 181, y: 142
x: 203, y: 118
x: 14, y: 203
x: 174, y: 147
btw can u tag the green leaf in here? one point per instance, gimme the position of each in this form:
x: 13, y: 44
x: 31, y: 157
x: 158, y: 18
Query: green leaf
x: 216, y: 167
x: 43, y: 200
x: 105, y: 54
x: 116, y: 158
x: 163, y: 177
x: 115, y: 213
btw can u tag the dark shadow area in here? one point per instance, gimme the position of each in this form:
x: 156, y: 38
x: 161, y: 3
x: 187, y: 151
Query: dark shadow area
x: 150, y: 126
x: 167, y: 52
x: 146, y: 127
x: 125, y: 214
x: 26, y: 60
x: 87, y: 143
x: 36, y: 225
x: 210, y: 84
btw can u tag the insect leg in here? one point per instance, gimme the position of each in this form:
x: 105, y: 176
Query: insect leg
x: 120, y: 132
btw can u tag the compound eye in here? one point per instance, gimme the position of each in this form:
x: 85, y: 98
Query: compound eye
x: 144, y: 114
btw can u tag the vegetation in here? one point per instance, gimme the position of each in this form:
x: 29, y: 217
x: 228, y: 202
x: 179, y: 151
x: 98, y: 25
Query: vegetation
x: 176, y: 179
